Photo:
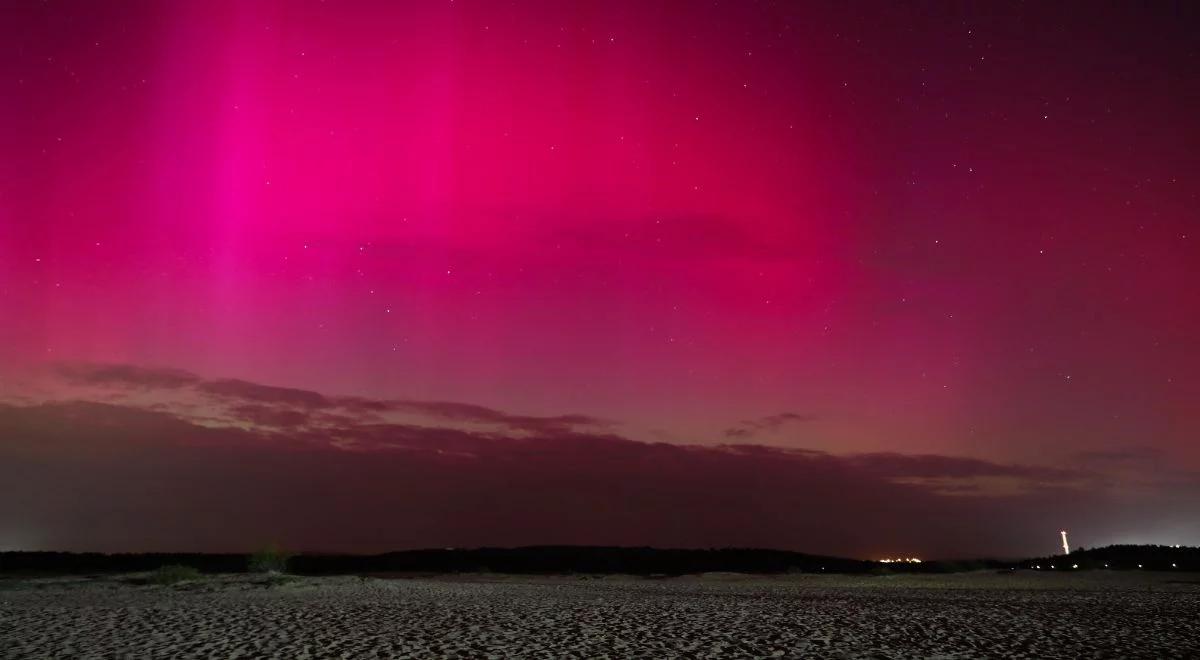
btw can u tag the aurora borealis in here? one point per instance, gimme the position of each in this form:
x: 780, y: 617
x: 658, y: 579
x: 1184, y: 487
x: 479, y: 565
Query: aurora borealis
x: 689, y: 274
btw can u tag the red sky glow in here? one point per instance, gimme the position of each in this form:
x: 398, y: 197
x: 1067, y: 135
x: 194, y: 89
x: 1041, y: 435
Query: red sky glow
x: 685, y: 270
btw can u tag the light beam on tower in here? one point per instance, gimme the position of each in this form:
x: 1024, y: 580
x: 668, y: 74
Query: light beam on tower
x: 1066, y: 547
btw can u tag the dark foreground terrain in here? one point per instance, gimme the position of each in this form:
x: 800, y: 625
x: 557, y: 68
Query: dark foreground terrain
x: 984, y: 614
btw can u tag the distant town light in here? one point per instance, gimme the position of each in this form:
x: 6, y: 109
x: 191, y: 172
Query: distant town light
x: 900, y: 560
x: 1139, y: 565
x: 1074, y: 565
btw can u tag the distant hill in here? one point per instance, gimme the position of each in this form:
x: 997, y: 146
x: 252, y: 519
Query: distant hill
x: 549, y: 560
x: 1122, y: 557
x: 526, y: 560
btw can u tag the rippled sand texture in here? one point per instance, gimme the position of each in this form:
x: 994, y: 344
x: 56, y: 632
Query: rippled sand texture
x: 1031, y: 616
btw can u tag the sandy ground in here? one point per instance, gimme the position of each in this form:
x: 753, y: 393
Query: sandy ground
x: 1030, y: 615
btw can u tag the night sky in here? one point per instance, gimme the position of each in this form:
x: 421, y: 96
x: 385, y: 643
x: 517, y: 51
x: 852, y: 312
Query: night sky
x: 864, y: 279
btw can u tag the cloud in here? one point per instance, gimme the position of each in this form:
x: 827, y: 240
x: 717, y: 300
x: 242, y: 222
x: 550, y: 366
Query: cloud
x: 750, y: 427
x: 270, y: 416
x: 465, y: 412
x: 265, y: 394
x: 232, y: 464
x: 124, y: 375
x: 932, y: 465
x: 81, y: 475
x: 1124, y: 455
x: 273, y: 406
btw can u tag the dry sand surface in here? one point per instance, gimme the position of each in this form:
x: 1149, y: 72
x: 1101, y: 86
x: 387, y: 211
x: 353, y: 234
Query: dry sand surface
x: 1031, y: 615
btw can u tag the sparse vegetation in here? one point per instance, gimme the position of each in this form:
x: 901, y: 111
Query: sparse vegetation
x: 271, y: 559
x: 173, y: 574
x: 278, y: 579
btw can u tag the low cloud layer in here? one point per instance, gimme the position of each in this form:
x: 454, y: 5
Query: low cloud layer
x: 173, y: 461
x: 267, y: 405
x: 751, y: 427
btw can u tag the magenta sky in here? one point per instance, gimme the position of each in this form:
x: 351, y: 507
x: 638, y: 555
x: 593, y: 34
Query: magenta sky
x: 925, y: 234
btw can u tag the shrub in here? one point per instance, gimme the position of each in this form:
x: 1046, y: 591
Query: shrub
x: 278, y: 579
x: 270, y: 559
x: 173, y: 574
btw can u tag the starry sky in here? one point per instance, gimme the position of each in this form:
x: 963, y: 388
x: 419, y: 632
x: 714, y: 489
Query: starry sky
x: 669, y: 273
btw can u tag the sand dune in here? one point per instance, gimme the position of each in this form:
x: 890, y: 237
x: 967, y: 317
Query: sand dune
x: 958, y: 616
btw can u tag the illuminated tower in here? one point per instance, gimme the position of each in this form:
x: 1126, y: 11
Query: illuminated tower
x: 1066, y: 548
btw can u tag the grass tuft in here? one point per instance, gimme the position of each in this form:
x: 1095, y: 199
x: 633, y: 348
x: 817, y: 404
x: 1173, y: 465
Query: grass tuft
x: 270, y: 559
x: 173, y: 574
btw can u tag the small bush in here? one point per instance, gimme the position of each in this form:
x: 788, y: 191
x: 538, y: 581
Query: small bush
x: 270, y: 559
x: 278, y: 579
x: 173, y: 574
